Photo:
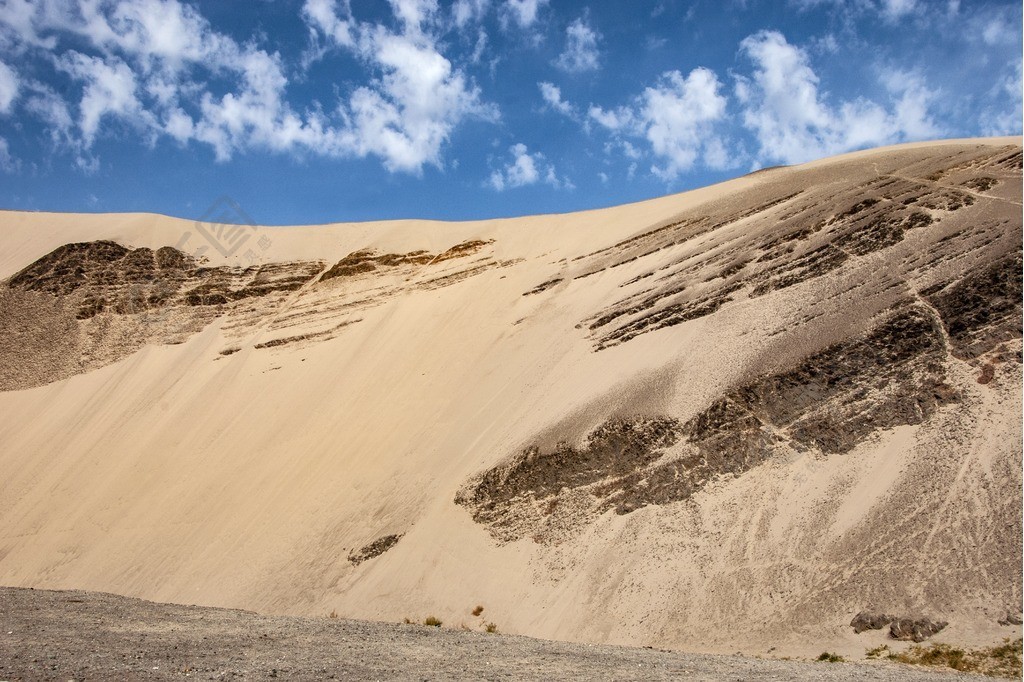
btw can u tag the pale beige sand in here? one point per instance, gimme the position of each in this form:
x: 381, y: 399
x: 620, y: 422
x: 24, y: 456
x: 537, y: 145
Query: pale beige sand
x: 180, y: 475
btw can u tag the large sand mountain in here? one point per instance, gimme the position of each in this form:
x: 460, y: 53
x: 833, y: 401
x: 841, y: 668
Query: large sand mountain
x: 727, y: 419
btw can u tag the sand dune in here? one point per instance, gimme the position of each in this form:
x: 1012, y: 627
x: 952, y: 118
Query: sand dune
x: 724, y: 420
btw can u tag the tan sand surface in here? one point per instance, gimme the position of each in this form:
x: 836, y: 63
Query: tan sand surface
x: 788, y: 365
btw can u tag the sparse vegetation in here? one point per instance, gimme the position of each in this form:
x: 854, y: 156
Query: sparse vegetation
x: 432, y: 621
x: 998, y: 661
x: 478, y: 610
x: 491, y: 627
x: 878, y: 651
x: 333, y: 613
x: 831, y: 658
x: 408, y: 621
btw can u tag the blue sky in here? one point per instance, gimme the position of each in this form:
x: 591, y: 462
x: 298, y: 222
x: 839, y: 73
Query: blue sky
x: 307, y: 111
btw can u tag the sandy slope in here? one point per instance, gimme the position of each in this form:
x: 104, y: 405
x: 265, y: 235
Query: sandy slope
x: 140, y: 459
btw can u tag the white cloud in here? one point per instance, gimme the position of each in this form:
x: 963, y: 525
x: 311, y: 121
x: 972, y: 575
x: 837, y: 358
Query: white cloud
x: 580, y: 53
x: 524, y: 169
x: 992, y: 26
x: 16, y: 26
x: 155, y: 56
x: 910, y: 116
x: 53, y: 110
x: 615, y: 120
x: 890, y: 10
x: 1003, y: 116
x: 677, y: 118
x: 469, y: 11
x: 894, y: 10
x: 678, y: 114
x: 160, y: 67
x: 8, y: 163
x: 553, y: 98
x: 109, y: 90
x: 408, y: 113
x: 9, y: 85
x: 321, y: 15
x: 523, y: 12
x: 793, y: 123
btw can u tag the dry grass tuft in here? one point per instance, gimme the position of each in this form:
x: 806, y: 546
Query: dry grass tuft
x: 1003, y: 660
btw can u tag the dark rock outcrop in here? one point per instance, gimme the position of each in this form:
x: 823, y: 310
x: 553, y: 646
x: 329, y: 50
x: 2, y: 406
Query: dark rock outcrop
x: 900, y: 628
x: 911, y: 630
x: 867, y: 620
x: 374, y: 549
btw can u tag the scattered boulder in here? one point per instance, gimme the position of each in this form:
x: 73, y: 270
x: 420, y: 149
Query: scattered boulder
x: 908, y: 629
x: 865, y: 620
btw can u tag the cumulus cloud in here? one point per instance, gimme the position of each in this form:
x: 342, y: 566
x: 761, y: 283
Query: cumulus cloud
x: 8, y: 88
x: 581, y: 52
x: 410, y: 110
x: 322, y: 16
x: 524, y: 169
x: 677, y: 118
x: 159, y: 66
x: 678, y: 115
x: 552, y: 95
x: 792, y: 121
x: 155, y: 59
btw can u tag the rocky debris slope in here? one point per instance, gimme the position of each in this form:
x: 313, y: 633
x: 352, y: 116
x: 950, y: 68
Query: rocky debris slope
x: 82, y: 635
x: 955, y: 296
x: 104, y: 301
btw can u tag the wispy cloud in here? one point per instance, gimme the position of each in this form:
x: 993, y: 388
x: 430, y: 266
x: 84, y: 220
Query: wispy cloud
x: 581, y: 52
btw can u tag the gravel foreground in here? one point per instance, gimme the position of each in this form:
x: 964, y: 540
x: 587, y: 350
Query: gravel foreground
x: 48, y: 635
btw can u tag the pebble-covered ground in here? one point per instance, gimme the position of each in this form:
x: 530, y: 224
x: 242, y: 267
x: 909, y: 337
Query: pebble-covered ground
x: 89, y: 636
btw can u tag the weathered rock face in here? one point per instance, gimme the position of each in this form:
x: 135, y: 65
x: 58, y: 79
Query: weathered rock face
x: 536, y: 491
x: 808, y: 239
x: 108, y: 300
x: 957, y: 297
x: 866, y: 620
x: 374, y: 549
x: 107, y: 277
x: 911, y: 630
x: 981, y: 310
x: 891, y: 376
x: 905, y: 628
